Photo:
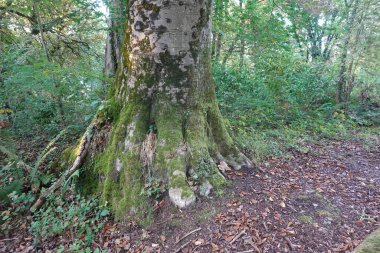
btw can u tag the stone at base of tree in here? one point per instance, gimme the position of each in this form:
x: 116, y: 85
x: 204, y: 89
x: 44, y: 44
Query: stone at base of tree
x: 205, y: 188
x: 180, y: 199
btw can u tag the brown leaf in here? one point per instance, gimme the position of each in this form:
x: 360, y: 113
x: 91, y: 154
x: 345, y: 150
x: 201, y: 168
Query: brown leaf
x: 243, y: 193
x: 215, y: 247
x: 277, y: 216
x: 253, y: 201
x: 199, y: 242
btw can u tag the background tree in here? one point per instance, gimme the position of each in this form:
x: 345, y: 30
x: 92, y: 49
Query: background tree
x: 314, y: 27
x: 48, y: 47
x: 362, y: 17
x: 116, y: 24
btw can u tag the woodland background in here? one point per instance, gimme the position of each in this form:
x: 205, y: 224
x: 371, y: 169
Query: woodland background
x: 286, y: 72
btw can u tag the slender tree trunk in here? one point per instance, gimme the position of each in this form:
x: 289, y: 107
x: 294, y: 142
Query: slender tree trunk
x: 230, y: 51
x: 112, y: 51
x: 242, y: 41
x: 242, y: 52
x: 168, y: 125
x: 213, y: 45
x: 339, y: 97
x: 220, y: 16
x: 114, y: 38
x: 355, y: 55
x: 58, y: 97
x: 40, y: 28
x: 350, y: 81
x: 218, y: 45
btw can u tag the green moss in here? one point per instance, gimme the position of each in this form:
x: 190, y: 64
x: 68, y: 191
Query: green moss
x: 371, y: 244
x: 180, y: 181
x: 110, y: 111
x: 121, y: 189
x: 305, y: 219
x: 67, y: 157
x: 217, y: 180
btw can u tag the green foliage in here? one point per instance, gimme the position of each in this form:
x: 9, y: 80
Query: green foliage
x: 154, y: 188
x: 13, y: 176
x: 50, y: 89
x: 12, y: 180
x: 364, y: 115
x: 273, y: 107
x: 45, y: 95
x: 79, y: 217
x: 277, y: 91
x: 204, y: 168
x: 11, y: 218
x: 276, y: 69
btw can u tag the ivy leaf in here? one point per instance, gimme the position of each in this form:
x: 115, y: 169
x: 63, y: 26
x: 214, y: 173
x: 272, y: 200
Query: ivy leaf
x: 105, y: 212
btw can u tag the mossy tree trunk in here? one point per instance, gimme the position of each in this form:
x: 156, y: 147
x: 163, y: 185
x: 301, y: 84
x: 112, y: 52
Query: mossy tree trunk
x: 168, y: 125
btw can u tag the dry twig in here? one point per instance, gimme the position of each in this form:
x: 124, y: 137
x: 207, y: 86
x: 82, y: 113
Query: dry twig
x: 238, y: 236
x: 191, y: 232
x: 183, y: 246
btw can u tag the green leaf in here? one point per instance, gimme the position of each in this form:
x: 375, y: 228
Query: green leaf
x: 105, y: 212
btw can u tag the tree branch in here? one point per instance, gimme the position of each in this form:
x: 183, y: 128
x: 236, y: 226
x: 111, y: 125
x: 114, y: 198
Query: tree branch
x: 7, y: 9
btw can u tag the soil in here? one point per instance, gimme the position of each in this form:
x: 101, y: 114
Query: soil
x: 325, y: 198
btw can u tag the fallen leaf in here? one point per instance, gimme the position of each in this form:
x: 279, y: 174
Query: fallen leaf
x: 253, y: 201
x: 199, y: 242
x: 277, y: 216
x: 215, y: 247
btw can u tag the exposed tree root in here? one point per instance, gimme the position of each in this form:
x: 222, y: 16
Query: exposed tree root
x: 80, y: 157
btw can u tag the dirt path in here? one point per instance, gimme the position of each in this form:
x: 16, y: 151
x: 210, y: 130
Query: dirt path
x: 324, y: 200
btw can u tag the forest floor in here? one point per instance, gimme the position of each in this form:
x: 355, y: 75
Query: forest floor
x: 323, y: 198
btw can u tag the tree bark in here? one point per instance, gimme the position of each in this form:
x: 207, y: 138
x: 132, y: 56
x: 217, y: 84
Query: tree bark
x: 242, y: 40
x: 339, y: 96
x: 43, y: 41
x: 114, y: 38
x: 218, y: 45
x: 168, y: 126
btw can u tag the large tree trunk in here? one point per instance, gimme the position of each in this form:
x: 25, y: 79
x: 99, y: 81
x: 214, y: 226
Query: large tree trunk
x: 168, y: 125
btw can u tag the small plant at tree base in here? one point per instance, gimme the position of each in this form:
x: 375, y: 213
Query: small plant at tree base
x: 203, y: 169
x: 154, y: 189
